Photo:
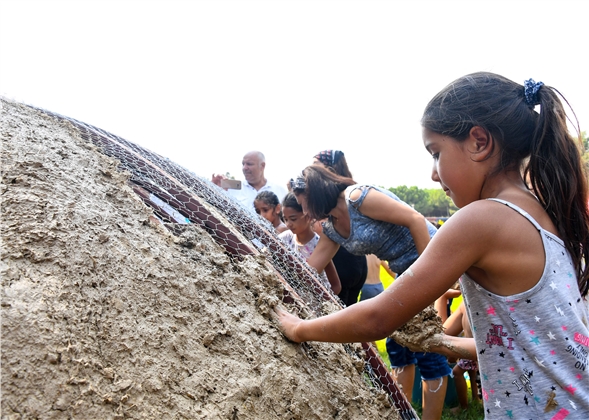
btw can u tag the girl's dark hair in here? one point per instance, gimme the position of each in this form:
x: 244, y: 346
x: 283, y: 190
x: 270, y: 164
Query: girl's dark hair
x: 290, y: 200
x: 335, y: 160
x: 322, y: 188
x: 536, y: 143
x: 268, y: 197
x: 341, y: 168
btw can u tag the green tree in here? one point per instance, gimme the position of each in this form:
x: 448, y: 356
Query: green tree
x: 585, y: 150
x: 430, y: 202
x: 441, y: 204
x: 415, y: 197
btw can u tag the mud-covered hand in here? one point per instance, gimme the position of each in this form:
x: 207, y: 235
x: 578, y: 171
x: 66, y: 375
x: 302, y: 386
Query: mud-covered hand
x: 288, y: 324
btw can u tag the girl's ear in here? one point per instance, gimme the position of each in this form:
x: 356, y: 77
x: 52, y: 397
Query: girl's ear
x: 480, y: 143
x: 277, y: 209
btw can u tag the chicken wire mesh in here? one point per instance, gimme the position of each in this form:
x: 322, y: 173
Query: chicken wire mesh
x: 179, y: 197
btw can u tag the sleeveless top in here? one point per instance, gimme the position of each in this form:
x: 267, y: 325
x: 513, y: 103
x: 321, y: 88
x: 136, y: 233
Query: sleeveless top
x: 387, y: 241
x: 304, y: 250
x: 532, y: 347
x: 291, y: 241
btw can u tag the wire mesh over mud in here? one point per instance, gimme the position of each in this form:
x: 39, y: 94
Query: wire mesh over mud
x: 179, y: 198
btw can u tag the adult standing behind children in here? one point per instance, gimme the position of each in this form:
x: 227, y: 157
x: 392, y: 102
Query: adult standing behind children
x: 504, y: 154
x: 253, y: 166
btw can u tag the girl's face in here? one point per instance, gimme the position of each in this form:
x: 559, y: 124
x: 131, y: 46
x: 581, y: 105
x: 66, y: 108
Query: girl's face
x: 295, y: 220
x: 267, y: 211
x: 454, y: 167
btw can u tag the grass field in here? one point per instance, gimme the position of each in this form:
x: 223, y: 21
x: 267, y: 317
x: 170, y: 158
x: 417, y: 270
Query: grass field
x: 473, y: 412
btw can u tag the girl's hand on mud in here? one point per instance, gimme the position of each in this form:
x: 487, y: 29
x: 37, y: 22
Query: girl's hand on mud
x: 288, y: 324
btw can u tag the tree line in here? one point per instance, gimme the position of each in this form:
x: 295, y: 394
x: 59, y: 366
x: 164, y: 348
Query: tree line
x: 585, y: 141
x: 431, y: 202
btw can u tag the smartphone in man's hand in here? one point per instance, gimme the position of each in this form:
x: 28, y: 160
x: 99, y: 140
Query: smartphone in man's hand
x: 231, y: 184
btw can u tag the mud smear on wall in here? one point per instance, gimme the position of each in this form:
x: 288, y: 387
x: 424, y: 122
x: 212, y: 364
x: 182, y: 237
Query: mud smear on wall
x: 105, y: 314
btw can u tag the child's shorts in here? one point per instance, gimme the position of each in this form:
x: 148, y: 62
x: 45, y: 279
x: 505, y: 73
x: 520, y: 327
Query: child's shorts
x: 371, y: 290
x: 466, y: 364
x: 431, y: 365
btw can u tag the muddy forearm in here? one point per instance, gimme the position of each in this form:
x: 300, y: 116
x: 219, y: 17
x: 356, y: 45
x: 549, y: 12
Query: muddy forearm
x: 356, y: 323
x: 333, y: 278
x: 456, y: 347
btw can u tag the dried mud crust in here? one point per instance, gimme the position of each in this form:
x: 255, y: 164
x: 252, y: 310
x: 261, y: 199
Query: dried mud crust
x: 422, y: 332
x: 107, y: 315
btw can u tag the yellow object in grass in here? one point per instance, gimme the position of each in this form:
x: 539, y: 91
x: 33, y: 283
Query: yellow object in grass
x: 381, y: 345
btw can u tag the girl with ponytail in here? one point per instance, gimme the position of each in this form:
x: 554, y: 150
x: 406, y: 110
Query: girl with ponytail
x: 520, y: 243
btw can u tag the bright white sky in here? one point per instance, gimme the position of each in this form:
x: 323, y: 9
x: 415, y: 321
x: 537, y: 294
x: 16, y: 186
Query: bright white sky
x: 203, y: 82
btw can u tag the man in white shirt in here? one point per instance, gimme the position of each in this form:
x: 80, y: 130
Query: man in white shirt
x: 253, y: 165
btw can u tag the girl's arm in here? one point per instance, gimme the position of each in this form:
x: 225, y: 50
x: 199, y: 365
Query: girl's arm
x: 457, y: 246
x: 369, y: 320
x: 379, y: 206
x: 441, y: 304
x: 453, y: 325
x: 323, y: 253
x: 455, y: 347
x: 333, y: 278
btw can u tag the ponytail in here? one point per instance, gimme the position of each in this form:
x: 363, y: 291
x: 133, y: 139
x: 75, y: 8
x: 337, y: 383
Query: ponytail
x: 558, y: 177
x: 537, y: 143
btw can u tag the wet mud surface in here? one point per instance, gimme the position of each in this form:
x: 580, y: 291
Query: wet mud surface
x: 106, y: 314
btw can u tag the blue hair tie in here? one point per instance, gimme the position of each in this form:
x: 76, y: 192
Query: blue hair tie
x: 531, y: 89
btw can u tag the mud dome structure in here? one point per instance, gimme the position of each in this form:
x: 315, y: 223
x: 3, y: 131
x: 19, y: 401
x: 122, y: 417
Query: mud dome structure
x: 132, y: 288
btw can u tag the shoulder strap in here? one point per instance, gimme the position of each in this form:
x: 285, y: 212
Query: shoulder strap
x: 519, y: 210
x: 358, y: 202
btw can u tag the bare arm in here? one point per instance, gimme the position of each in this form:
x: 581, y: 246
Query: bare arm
x: 379, y: 206
x: 323, y: 253
x: 441, y: 304
x: 333, y: 278
x: 456, y: 347
x: 453, y: 325
x: 365, y: 321
x: 451, y: 252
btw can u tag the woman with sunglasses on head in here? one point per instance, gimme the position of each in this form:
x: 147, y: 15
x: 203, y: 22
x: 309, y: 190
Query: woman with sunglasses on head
x: 351, y: 269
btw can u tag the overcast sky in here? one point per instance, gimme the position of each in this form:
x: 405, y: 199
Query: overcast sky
x: 203, y: 82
